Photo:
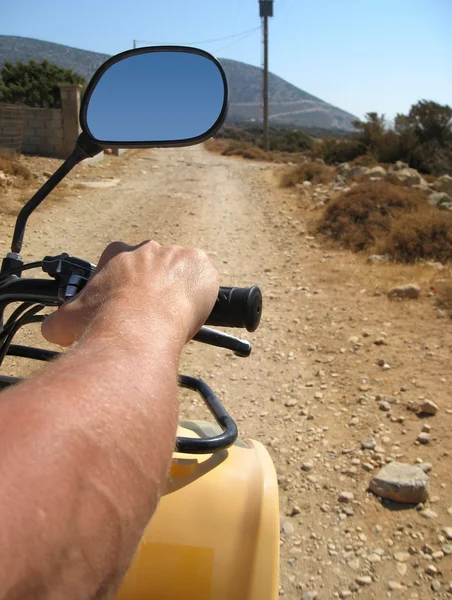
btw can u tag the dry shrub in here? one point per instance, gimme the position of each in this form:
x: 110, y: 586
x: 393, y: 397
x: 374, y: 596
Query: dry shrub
x: 246, y: 151
x: 217, y: 146
x: 14, y: 167
x: 314, y: 172
x: 425, y: 234
x: 365, y: 160
x: 388, y: 219
x: 443, y: 291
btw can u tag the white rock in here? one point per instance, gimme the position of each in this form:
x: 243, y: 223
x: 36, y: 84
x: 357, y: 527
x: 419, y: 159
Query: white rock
x: 346, y: 497
x: 443, y: 184
x: 428, y: 514
x: 428, y: 407
x: 376, y: 172
x: 368, y: 444
x: 423, y: 438
x: 288, y: 528
x: 402, y: 556
x: 406, y: 176
x: 394, y: 586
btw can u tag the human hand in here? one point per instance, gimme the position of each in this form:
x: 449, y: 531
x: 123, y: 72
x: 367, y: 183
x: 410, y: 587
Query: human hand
x: 140, y: 285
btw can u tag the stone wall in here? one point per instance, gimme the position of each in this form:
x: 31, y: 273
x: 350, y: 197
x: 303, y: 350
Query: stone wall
x: 42, y: 131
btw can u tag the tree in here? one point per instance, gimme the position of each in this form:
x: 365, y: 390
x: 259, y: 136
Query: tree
x: 431, y: 122
x: 35, y: 83
x: 425, y: 137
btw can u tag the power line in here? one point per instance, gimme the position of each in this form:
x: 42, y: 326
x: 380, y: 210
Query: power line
x: 236, y: 41
x: 227, y: 37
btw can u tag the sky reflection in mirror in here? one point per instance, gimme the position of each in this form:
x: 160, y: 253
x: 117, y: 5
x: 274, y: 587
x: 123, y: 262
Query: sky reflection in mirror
x: 157, y: 96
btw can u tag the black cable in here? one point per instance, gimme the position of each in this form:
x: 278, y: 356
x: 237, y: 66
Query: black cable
x: 32, y: 265
x: 26, y: 319
x: 14, y: 316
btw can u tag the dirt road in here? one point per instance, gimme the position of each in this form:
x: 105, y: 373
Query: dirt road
x: 313, y: 389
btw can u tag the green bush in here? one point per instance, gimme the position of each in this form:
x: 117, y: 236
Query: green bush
x: 34, y: 84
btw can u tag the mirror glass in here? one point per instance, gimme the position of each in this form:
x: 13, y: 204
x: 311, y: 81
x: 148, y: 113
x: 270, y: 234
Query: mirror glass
x: 155, y: 96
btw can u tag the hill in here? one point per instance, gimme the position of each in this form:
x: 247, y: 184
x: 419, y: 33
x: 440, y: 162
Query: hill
x: 288, y: 104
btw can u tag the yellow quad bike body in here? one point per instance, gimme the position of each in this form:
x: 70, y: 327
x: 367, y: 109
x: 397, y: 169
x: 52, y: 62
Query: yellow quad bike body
x: 215, y: 534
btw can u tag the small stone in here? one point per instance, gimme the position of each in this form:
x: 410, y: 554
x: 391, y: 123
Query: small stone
x: 402, y: 556
x: 426, y: 428
x: 410, y: 291
x: 448, y: 532
x: 394, y: 586
x: 436, y: 585
x: 385, y: 406
x: 447, y: 549
x: 354, y: 564
x: 369, y: 444
x: 374, y: 558
x: 290, y: 403
x: 431, y: 570
x: 288, y: 528
x: 427, y: 407
x: 402, y: 569
x: 428, y: 514
x: 401, y: 482
x: 345, y: 594
x: 364, y: 580
x: 307, y: 466
x: 312, y: 595
x: 346, y: 497
x: 426, y: 467
x: 423, y: 438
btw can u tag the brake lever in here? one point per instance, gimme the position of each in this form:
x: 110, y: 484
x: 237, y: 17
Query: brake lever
x: 212, y: 337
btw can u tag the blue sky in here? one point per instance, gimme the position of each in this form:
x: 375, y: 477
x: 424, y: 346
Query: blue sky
x: 359, y: 55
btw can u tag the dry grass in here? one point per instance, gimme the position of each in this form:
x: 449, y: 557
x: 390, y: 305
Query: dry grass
x: 246, y: 151
x: 425, y: 234
x: 311, y: 171
x: 252, y: 152
x: 443, y: 291
x: 387, y: 219
x: 15, y: 167
x: 217, y: 146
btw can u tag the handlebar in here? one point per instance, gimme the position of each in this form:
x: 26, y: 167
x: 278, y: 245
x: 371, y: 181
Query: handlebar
x: 235, y: 307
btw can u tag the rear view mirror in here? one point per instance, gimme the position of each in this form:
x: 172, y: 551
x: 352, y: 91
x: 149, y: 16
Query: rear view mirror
x: 161, y: 96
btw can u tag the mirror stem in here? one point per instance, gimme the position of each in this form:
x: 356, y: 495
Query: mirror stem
x: 84, y: 148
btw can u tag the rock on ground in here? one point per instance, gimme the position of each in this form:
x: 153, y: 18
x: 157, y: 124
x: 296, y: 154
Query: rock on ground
x: 401, y: 482
x: 409, y: 291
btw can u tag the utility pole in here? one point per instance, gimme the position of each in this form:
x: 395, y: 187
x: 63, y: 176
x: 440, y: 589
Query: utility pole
x: 266, y: 10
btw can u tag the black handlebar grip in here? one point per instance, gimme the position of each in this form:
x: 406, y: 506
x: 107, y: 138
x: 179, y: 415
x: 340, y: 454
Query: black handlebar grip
x: 237, y: 307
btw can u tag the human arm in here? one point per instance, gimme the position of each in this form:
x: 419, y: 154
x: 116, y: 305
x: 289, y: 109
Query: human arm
x: 85, y: 445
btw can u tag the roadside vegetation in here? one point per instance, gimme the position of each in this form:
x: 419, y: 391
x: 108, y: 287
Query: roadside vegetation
x: 386, y: 219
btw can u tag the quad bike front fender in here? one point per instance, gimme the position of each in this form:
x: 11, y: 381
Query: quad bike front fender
x: 215, y: 534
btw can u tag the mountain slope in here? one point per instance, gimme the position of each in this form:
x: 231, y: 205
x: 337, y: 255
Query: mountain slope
x: 288, y: 105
